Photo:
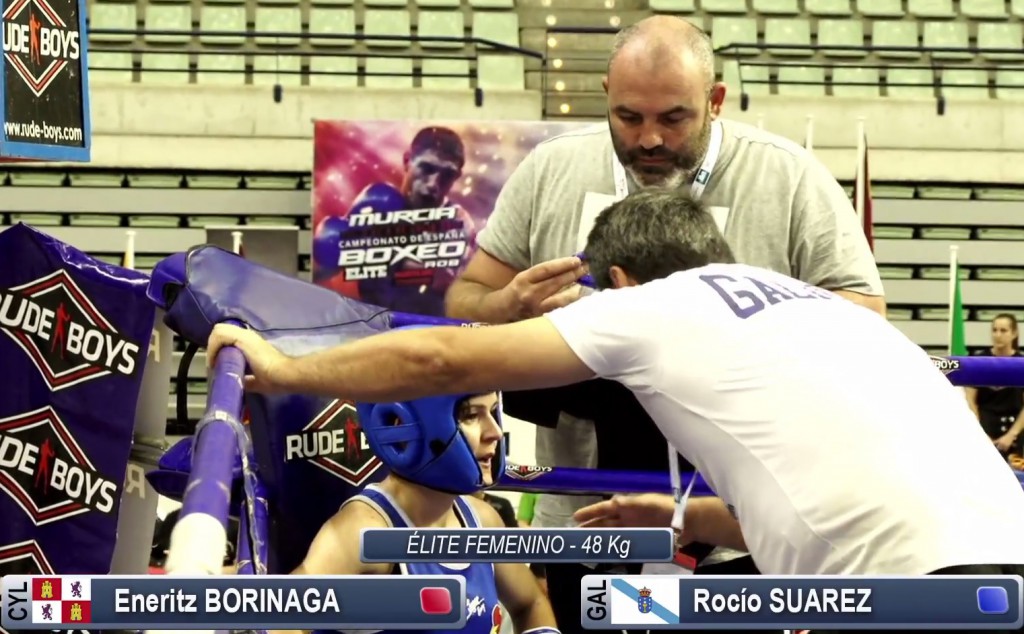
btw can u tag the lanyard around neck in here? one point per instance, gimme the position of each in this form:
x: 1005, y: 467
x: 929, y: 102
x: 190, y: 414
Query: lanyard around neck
x: 700, y: 181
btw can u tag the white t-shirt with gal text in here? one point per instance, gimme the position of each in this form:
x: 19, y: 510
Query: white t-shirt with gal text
x: 842, y: 449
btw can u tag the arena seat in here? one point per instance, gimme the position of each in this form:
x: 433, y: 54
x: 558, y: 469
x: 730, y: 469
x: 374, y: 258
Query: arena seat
x: 39, y: 220
x: 113, y: 15
x: 154, y: 180
x: 441, y: 24
x: 776, y: 7
x: 151, y: 222
x: 334, y: 71
x: 270, y: 70
x: 445, y: 73
x: 1011, y: 274
x: 931, y: 8
x: 327, y: 20
x: 501, y: 72
x: 965, y: 83
x: 277, y: 19
x: 788, y: 32
x: 168, y: 17
x: 947, y: 35
x: 201, y: 222
x: 94, y: 220
x: 834, y: 32
x: 724, y: 6
x: 844, y: 79
x: 220, y: 69
x: 673, y: 6
x: 389, y: 72
x: 224, y: 20
x: 387, y: 22
x: 790, y: 78
x: 283, y: 69
x: 432, y: 4
x: 880, y: 8
x: 944, y: 192
x: 995, y: 35
x: 910, y: 83
x: 502, y: 27
x: 828, y: 8
x: 736, y: 75
x: 1010, y: 84
x: 895, y: 34
x: 492, y: 4
x: 983, y: 9
x: 164, y: 68
x: 732, y: 30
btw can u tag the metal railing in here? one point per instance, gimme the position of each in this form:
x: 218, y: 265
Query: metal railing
x: 927, y: 61
x: 253, y: 43
x: 813, y: 56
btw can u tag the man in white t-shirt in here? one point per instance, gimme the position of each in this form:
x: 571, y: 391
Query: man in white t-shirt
x: 815, y: 421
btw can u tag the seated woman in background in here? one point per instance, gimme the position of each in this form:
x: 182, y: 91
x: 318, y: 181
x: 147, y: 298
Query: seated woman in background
x: 1000, y: 410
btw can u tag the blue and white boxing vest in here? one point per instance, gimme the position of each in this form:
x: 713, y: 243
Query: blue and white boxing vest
x: 483, y: 615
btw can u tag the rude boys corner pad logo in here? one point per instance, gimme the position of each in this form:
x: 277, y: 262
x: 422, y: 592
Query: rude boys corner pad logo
x: 46, y: 472
x: 334, y: 441
x: 944, y: 365
x: 38, y: 42
x: 67, y: 338
x: 24, y: 558
x: 525, y: 472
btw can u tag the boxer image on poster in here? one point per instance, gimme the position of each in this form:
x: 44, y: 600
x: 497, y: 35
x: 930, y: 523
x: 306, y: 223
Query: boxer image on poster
x: 402, y: 245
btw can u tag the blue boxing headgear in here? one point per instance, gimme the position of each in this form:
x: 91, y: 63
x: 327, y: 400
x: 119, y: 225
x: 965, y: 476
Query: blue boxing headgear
x: 420, y: 441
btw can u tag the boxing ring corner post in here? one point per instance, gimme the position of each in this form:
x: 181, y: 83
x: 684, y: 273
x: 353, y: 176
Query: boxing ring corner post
x: 199, y: 539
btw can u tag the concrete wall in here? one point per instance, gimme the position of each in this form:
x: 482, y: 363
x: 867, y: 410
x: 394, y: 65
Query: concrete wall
x: 241, y: 128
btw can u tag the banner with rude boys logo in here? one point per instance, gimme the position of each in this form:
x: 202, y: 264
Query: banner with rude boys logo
x: 74, y: 336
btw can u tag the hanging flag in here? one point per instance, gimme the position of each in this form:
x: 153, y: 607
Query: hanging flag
x: 862, y: 187
x: 957, y: 337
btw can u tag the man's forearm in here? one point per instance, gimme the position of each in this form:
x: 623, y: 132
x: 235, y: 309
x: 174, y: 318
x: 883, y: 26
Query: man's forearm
x: 715, y: 525
x: 473, y: 301
x: 389, y: 367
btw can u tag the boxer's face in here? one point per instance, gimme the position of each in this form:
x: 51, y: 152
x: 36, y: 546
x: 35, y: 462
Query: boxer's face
x: 660, y: 121
x: 478, y: 420
x: 429, y: 177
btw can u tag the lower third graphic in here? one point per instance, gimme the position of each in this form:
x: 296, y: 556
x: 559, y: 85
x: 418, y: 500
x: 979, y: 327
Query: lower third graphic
x: 644, y: 601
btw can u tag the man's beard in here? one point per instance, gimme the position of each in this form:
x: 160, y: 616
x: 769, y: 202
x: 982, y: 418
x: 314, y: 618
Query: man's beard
x: 680, y: 166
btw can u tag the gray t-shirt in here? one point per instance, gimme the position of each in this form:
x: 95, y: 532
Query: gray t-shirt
x: 787, y: 213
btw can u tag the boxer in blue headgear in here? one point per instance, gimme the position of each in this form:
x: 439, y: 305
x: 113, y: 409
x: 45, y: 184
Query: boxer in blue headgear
x: 439, y: 451
x: 422, y: 441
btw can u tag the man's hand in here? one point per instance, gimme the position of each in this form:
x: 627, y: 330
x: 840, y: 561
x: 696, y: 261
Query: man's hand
x: 265, y: 362
x: 706, y: 519
x: 647, y: 510
x: 544, y: 287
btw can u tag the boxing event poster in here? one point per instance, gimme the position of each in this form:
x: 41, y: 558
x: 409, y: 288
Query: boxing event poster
x: 74, y: 338
x: 397, y: 205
